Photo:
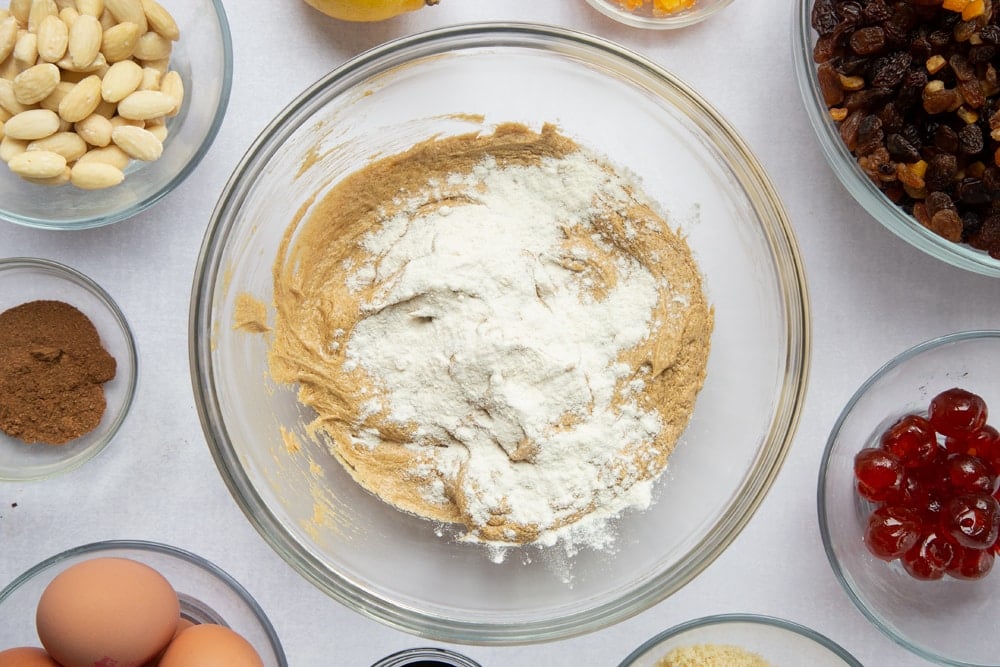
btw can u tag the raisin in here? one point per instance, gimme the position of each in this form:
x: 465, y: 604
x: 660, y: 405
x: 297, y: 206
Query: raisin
x: 892, y: 120
x: 972, y: 191
x: 867, y: 98
x: 972, y: 92
x: 829, y: 84
x: 988, y: 237
x: 961, y: 67
x: 946, y: 139
x: 888, y: 71
x: 824, y: 18
x: 941, y: 170
x: 875, y: 11
x: 982, y: 53
x: 867, y: 41
x: 970, y: 140
x: 990, y: 34
x: 938, y: 201
x: 870, y: 135
x: 900, y: 149
x: 948, y: 224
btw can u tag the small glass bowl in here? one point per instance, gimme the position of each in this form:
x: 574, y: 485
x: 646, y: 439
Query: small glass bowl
x: 207, y: 593
x: 777, y: 641
x: 846, y: 168
x: 25, y: 279
x: 643, y: 17
x: 949, y: 621
x: 426, y: 657
x: 418, y: 576
x: 204, y: 58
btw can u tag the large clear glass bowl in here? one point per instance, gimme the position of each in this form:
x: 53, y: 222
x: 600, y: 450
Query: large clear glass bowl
x: 846, y: 168
x: 392, y: 566
x: 207, y: 593
x: 949, y: 621
x: 203, y: 56
x: 777, y: 641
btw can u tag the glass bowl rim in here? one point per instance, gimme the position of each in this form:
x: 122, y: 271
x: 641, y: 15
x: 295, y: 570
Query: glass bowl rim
x: 844, y: 165
x: 759, y: 619
x: 158, y: 548
x: 821, y: 508
x: 746, y: 499
x: 682, y: 19
x: 400, y: 658
x: 89, y: 284
x: 168, y: 186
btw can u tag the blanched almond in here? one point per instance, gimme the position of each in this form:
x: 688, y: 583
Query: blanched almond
x: 119, y: 41
x: 26, y: 50
x: 95, y: 129
x: 59, y: 179
x: 20, y: 9
x: 121, y: 80
x: 32, y: 124
x: 150, y: 79
x: 92, y: 7
x: 8, y: 100
x: 146, y: 104
x: 160, y: 20
x: 110, y: 154
x: 82, y: 100
x: 39, y: 10
x: 140, y: 144
x: 55, y: 97
x: 95, y: 175
x: 128, y: 10
x: 2, y: 132
x: 36, y: 83
x: 158, y: 131
x: 37, y: 164
x: 173, y: 85
x: 152, y: 46
x: 8, y: 36
x: 53, y: 38
x: 67, y: 144
x: 84, y: 41
x: 9, y: 147
x: 69, y: 15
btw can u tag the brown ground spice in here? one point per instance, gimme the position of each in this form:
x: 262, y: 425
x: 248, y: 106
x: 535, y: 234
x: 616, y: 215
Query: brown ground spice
x: 52, y: 371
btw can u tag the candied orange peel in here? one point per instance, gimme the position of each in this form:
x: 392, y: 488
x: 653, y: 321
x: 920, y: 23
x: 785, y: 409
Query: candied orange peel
x: 659, y: 7
x: 969, y: 9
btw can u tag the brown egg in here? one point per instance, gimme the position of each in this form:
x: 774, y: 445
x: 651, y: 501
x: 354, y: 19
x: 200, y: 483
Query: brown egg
x: 26, y: 657
x: 182, y: 624
x: 107, y: 611
x: 209, y: 645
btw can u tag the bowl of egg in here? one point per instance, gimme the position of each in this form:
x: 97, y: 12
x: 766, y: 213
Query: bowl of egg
x: 132, y: 603
x: 105, y: 109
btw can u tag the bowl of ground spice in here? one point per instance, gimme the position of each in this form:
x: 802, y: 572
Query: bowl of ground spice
x: 739, y: 640
x: 460, y: 346
x: 905, y: 100
x: 67, y: 368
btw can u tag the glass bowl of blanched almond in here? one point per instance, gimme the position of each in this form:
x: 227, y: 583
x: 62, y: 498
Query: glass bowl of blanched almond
x: 106, y: 105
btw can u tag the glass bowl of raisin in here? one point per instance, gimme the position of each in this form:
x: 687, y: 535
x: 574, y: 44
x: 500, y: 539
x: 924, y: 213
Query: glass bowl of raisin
x: 658, y: 14
x: 904, y: 98
x: 909, y: 507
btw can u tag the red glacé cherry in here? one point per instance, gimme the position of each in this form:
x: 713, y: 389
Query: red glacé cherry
x: 966, y: 473
x: 911, y: 439
x: 930, y: 557
x: 892, y: 530
x: 971, y: 563
x: 972, y: 519
x: 956, y: 412
x: 878, y: 475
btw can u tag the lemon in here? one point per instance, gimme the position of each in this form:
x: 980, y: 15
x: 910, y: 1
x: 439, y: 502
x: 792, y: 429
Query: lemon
x: 367, y: 10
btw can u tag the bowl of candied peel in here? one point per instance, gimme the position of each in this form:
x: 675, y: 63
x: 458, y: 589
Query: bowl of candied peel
x: 904, y: 99
x: 659, y: 14
x: 908, y: 498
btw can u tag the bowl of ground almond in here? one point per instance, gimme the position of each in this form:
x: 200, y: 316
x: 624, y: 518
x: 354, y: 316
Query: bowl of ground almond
x: 905, y: 101
x: 739, y: 640
x: 460, y: 345
x: 106, y: 107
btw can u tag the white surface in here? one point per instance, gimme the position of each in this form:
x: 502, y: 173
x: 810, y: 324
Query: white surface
x: 872, y: 296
